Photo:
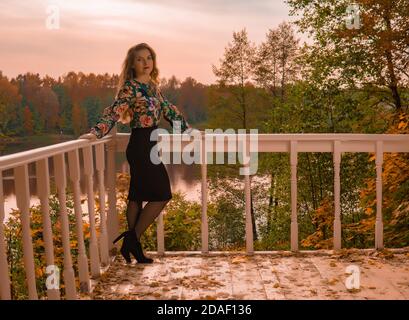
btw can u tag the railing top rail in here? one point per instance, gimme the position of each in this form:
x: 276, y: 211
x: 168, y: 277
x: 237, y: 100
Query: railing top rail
x: 24, y: 157
x: 304, y: 136
x: 28, y: 156
x: 334, y: 137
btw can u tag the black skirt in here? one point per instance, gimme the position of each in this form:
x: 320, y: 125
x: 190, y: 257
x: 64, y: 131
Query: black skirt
x: 149, y: 181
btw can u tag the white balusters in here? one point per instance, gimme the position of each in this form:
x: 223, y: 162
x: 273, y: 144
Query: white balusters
x: 43, y: 190
x: 379, y: 221
x: 61, y: 184
x: 160, y: 234
x: 4, y: 270
x: 203, y: 166
x: 93, y: 247
x: 112, y: 216
x: 23, y: 203
x: 103, y: 239
x: 243, y: 147
x: 249, y: 224
x: 337, y: 191
x: 294, y: 220
x: 74, y: 169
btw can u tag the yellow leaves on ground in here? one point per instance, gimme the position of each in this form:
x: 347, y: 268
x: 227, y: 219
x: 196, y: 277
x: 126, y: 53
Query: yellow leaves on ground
x: 240, y: 259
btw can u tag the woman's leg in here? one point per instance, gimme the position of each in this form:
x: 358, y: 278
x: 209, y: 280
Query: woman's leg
x: 133, y: 213
x: 149, y: 213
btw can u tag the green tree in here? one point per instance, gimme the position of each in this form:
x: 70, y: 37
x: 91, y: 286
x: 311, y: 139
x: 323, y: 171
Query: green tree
x: 359, y: 46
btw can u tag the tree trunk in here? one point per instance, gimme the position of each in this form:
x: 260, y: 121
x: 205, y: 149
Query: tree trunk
x: 312, y: 186
x: 393, y: 83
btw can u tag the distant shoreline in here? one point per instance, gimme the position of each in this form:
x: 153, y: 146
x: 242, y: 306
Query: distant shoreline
x: 12, y: 145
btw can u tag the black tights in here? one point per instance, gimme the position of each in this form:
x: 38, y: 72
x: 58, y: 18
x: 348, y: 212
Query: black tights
x: 141, y: 218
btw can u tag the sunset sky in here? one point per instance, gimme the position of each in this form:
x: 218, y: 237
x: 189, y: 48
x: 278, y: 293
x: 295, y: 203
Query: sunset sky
x: 94, y: 35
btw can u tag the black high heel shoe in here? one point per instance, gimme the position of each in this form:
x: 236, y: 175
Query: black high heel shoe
x: 136, y: 249
x: 130, y: 244
x: 125, y: 248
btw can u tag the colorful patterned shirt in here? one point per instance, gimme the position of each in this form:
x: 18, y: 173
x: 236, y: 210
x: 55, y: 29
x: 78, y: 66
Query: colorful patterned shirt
x: 125, y: 109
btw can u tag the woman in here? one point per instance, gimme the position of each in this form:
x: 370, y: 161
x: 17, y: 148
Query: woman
x: 139, y: 102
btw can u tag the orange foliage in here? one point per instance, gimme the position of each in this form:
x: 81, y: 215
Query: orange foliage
x: 395, y: 203
x: 323, y: 220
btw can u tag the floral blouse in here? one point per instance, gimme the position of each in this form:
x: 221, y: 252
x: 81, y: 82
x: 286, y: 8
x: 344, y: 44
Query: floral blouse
x: 141, y: 105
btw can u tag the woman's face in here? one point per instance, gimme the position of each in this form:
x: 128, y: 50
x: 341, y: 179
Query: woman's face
x: 143, y: 62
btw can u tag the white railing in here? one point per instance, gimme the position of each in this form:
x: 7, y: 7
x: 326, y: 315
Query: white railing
x: 289, y: 143
x: 98, y: 248
x: 99, y: 254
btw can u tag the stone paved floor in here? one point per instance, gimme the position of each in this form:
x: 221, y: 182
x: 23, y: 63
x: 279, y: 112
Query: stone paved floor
x: 282, y: 275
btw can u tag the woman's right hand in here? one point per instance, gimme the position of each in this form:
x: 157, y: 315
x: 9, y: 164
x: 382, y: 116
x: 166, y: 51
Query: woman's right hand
x: 89, y: 136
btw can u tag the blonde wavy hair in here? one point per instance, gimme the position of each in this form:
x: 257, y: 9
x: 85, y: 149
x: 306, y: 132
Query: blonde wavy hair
x: 128, y: 72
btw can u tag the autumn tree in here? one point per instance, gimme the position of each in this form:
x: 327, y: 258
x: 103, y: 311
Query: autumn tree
x: 79, y: 120
x: 395, y: 196
x: 28, y: 121
x: 65, y: 103
x: 28, y: 85
x: 362, y: 45
x: 354, y: 72
x: 9, y: 101
x: 45, y: 102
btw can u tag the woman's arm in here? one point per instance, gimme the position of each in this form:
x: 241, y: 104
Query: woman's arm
x: 171, y: 113
x: 112, y: 113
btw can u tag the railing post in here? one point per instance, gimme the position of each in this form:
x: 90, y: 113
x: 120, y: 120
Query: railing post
x: 74, y: 167
x: 103, y: 239
x: 112, y: 217
x: 23, y: 203
x: 379, y: 221
x: 160, y: 234
x: 61, y: 183
x: 243, y: 146
x: 294, y: 221
x: 249, y: 224
x: 5, y: 293
x: 43, y: 190
x: 203, y: 166
x: 93, y: 246
x: 337, y: 188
